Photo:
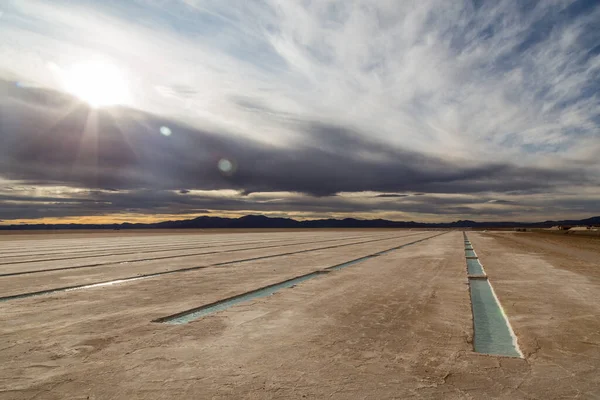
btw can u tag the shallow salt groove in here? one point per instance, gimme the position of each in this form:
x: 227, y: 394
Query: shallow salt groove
x: 491, y: 329
x: 82, y: 247
x: 140, y: 247
x: 156, y: 274
x: 154, y: 258
x: 103, y: 244
x: 151, y: 239
x: 189, y: 315
x: 74, y: 255
x: 162, y: 246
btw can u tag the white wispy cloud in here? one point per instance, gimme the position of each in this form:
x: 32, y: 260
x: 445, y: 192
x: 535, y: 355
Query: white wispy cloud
x: 424, y: 75
x: 494, y: 83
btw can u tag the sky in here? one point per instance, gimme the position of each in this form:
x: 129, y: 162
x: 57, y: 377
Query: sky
x: 428, y: 110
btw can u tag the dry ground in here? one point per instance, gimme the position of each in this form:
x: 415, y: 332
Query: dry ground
x: 394, y: 326
x: 111, y: 233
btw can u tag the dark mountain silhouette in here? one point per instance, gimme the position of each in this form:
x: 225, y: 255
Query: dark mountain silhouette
x: 261, y: 221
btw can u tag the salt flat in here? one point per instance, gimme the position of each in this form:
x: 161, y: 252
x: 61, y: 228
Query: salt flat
x: 398, y: 325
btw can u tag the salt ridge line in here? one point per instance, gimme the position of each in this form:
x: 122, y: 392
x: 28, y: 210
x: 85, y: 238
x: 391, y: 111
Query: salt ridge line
x: 99, y: 243
x: 116, y: 239
x: 262, y: 257
x: 73, y: 255
x: 129, y: 250
x: 142, y: 249
x: 153, y: 275
x: 100, y: 264
x: 139, y: 277
x: 220, y: 305
x: 103, y: 245
x: 99, y: 236
x: 87, y: 248
x: 136, y: 260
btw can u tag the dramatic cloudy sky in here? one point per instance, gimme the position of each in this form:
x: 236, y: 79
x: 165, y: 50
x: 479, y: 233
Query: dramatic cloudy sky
x: 429, y: 110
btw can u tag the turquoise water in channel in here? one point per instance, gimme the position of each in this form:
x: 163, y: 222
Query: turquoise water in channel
x: 225, y: 304
x: 474, y: 267
x: 492, y: 334
x: 190, y: 315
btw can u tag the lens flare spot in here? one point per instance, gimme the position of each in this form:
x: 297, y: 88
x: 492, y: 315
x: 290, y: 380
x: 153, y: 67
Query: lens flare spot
x: 165, y: 131
x: 225, y: 165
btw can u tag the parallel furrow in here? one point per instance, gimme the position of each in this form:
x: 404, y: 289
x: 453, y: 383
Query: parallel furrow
x: 175, y: 271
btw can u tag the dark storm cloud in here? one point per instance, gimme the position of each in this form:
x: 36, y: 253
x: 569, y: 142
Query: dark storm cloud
x: 49, y: 141
x: 145, y: 201
x: 97, y: 202
x: 171, y: 202
x: 501, y: 201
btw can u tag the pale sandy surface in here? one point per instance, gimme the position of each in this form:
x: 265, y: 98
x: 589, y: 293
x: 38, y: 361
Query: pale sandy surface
x: 395, y: 326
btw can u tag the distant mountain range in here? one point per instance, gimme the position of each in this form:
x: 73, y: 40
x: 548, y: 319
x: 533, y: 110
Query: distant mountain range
x: 261, y: 221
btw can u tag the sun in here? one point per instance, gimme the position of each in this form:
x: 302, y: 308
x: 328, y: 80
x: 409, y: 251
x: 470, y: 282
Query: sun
x: 98, y: 83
